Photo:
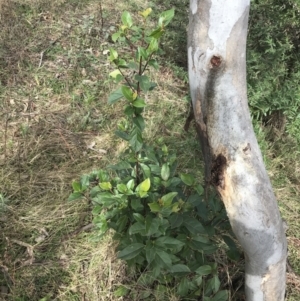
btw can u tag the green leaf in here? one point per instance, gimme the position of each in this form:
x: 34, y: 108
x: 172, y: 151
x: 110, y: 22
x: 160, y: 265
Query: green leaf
x: 163, y: 259
x: 143, y: 80
x: 200, y: 238
x: 106, y: 199
x: 146, y: 170
x: 196, y: 244
x: 176, y: 207
x: 150, y: 252
x: 139, y: 218
x: 155, y: 169
x: 176, y: 220
x: 136, y: 142
x: 157, y: 33
x: 187, y: 179
x: 144, y: 186
x: 194, y: 200
x: 84, y: 182
x: 153, y: 63
x: 131, y: 251
x: 221, y: 296
x: 200, y: 189
x: 169, y: 242
x: 137, y: 228
x: 168, y: 198
x: 139, y: 103
x: 113, y: 54
x: 129, y: 110
x: 180, y: 268
x: 198, y: 280
x: 165, y: 149
x: 142, y: 194
x: 126, y: 19
x: 213, y: 284
x: 105, y: 185
x: 94, y: 191
x: 122, y: 188
x: 163, y: 225
x: 154, y: 207
x: 75, y: 196
x: 153, y: 46
x: 152, y: 225
x: 156, y: 271
x: 122, y: 135
x: 102, y: 176
x: 139, y: 122
x: 183, y: 287
x: 204, y: 270
x: 121, y: 291
x: 165, y: 212
x: 122, y: 165
x: 136, y: 205
x: 76, y: 186
x: 121, y: 223
x: 234, y: 255
x: 165, y: 172
x: 122, y: 64
x: 194, y: 226
x: 146, y: 12
x: 229, y: 242
x: 114, y: 73
x: 141, y: 52
x: 202, y: 209
x: 130, y: 184
x: 133, y: 65
x: 166, y: 17
x: 115, y: 96
x: 127, y: 93
x: 115, y: 36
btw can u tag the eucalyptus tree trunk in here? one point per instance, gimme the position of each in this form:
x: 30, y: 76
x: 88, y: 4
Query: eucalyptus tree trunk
x: 233, y: 161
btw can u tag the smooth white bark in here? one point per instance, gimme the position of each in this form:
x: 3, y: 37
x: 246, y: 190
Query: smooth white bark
x: 234, y: 164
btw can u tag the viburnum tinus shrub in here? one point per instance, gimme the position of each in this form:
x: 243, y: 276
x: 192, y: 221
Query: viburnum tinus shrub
x: 164, y: 228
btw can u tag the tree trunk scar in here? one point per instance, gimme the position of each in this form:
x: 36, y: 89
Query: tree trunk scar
x: 248, y: 147
x: 218, y: 167
x: 200, y: 123
x: 215, y: 61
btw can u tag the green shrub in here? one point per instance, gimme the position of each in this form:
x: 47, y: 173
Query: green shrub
x: 273, y: 61
x: 166, y: 231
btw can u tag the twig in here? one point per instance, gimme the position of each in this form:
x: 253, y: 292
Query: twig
x: 7, y: 277
x: 127, y: 80
x: 51, y: 45
x: 101, y: 15
x: 21, y: 243
x: 5, y: 135
x: 66, y: 143
x: 41, y: 59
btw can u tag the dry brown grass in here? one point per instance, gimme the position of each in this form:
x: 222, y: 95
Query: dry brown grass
x: 56, y: 125
x: 44, y: 145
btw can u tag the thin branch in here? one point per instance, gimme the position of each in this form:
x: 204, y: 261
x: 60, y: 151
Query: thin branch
x: 127, y: 80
